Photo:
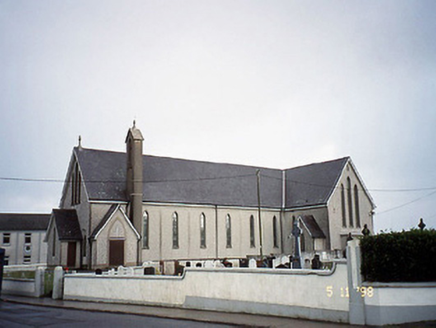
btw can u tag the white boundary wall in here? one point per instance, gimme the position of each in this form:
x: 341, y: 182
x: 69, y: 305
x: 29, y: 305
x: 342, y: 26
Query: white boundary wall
x: 335, y: 295
x: 25, y: 287
x: 284, y: 292
x: 395, y: 303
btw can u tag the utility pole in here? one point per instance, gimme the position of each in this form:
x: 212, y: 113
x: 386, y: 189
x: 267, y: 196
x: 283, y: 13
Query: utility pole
x: 258, y: 208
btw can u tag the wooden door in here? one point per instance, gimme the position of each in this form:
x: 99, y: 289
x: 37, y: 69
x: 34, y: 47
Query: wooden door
x: 116, y: 252
x: 71, y: 255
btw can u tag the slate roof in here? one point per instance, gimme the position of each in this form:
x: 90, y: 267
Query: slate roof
x: 23, y: 222
x: 179, y: 181
x: 313, y: 227
x: 174, y: 180
x: 312, y: 184
x: 67, y: 224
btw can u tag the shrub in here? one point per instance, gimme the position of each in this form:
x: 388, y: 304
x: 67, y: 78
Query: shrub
x: 406, y: 256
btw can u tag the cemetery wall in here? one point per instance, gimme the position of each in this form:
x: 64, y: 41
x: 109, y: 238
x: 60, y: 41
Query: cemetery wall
x: 18, y: 286
x: 306, y: 294
x: 396, y: 303
x: 33, y: 287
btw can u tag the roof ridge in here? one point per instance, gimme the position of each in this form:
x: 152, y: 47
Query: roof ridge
x: 319, y: 163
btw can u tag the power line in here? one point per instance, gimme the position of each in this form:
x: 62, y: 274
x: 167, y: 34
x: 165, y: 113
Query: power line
x: 238, y: 176
x: 48, y: 180
x: 405, y: 204
x: 372, y: 190
x: 124, y: 181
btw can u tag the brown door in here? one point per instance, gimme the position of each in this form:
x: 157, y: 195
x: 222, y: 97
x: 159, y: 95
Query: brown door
x: 71, y: 259
x: 116, y: 252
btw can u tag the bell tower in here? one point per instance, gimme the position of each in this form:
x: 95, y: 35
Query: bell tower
x: 134, y: 177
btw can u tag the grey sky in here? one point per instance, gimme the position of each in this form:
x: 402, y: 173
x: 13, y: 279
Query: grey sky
x: 268, y: 83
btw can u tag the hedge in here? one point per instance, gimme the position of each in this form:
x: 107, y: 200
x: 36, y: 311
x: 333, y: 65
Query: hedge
x: 408, y: 256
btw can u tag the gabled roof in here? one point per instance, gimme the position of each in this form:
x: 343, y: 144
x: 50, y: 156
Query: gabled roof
x: 171, y: 180
x: 135, y: 134
x: 312, y: 184
x: 179, y: 181
x: 108, y: 216
x: 310, y: 223
x: 67, y: 224
x: 23, y: 222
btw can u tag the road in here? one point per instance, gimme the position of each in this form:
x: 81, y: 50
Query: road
x: 14, y: 315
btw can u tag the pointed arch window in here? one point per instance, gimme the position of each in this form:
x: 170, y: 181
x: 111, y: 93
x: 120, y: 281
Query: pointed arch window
x: 344, y: 211
x: 202, y: 230
x: 84, y: 242
x: 53, y: 250
x: 275, y: 232
x: 350, y: 202
x: 76, y: 182
x: 356, y: 205
x: 252, y: 239
x: 175, y: 230
x: 145, y: 230
x: 228, y: 231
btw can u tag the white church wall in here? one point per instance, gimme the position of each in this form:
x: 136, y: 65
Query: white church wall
x: 340, y: 234
x: 98, y: 211
x: 161, y: 232
x: 83, y: 209
x: 305, y: 294
x: 160, y: 235
x: 240, y: 231
x: 63, y: 253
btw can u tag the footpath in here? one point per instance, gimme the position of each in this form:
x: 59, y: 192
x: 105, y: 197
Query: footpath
x: 236, y: 319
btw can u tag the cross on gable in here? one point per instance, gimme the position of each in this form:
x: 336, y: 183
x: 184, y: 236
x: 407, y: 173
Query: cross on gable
x: 296, y: 231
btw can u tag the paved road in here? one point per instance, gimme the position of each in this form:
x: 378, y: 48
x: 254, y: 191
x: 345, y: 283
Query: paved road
x: 14, y: 315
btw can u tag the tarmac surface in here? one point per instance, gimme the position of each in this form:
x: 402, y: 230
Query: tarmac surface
x: 233, y: 319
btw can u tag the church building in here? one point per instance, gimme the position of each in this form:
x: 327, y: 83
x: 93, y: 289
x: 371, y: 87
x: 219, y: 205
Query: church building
x: 128, y: 208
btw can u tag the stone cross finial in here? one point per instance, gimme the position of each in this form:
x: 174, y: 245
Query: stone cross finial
x: 365, y: 230
x: 421, y: 224
x: 296, y: 232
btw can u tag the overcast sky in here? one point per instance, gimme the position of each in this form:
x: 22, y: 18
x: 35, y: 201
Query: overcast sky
x: 266, y: 83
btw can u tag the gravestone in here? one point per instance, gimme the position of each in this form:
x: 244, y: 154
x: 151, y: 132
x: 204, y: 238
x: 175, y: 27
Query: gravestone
x: 149, y: 271
x: 208, y: 264
x: 296, y: 233
x: 252, y: 263
x: 169, y: 268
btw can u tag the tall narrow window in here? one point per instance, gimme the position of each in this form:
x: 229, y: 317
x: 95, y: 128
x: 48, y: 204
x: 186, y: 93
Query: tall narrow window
x: 84, y: 243
x: 228, y: 231
x: 145, y: 230
x: 275, y: 231
x: 53, y: 250
x: 76, y: 181
x: 202, y: 230
x: 175, y: 230
x: 252, y: 241
x: 356, y: 205
x: 350, y: 202
x: 344, y: 211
